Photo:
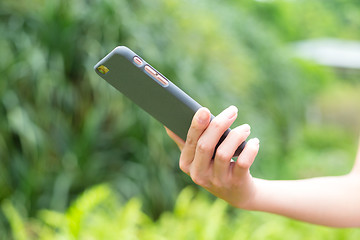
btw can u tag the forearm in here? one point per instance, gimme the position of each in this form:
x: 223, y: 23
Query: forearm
x: 331, y: 201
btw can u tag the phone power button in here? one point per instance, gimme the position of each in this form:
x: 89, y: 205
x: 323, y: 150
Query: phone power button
x: 137, y: 60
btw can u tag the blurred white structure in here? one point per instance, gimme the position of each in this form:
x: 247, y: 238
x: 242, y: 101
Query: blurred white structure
x: 335, y: 53
x: 336, y: 106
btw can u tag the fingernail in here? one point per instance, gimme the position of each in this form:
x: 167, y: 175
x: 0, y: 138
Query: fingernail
x: 246, y: 127
x: 256, y: 141
x: 230, y: 112
x: 203, y: 116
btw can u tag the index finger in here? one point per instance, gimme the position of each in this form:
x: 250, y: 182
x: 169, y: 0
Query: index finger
x: 199, y: 123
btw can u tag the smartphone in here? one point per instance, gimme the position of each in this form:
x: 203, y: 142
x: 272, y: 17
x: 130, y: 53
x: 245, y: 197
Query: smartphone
x: 151, y: 91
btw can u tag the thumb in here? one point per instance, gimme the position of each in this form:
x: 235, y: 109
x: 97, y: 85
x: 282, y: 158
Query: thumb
x: 179, y: 142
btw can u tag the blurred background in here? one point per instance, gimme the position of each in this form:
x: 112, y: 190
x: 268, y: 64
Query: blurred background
x: 80, y: 161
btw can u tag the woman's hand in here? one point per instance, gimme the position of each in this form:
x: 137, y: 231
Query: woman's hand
x: 222, y: 177
x: 330, y: 201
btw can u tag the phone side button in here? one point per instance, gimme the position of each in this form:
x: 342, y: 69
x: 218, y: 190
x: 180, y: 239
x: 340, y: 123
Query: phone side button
x: 137, y: 60
x: 151, y: 71
x: 162, y: 80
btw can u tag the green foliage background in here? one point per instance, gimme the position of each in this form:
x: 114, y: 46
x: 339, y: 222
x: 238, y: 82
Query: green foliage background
x: 63, y: 129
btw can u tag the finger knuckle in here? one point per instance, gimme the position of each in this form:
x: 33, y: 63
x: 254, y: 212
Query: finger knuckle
x: 243, y: 164
x: 184, y: 167
x: 203, y: 147
x: 216, y: 183
x: 223, y: 155
x: 190, y: 140
x: 193, y: 133
x: 239, y: 134
x: 199, y: 180
x: 216, y: 123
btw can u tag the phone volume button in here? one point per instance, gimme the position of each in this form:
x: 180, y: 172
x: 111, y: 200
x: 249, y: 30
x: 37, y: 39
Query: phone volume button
x: 160, y: 79
x: 151, y: 71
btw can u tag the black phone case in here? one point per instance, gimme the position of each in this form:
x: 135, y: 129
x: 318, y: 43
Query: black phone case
x: 166, y: 103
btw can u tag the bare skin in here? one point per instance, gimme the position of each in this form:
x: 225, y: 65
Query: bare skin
x: 330, y: 201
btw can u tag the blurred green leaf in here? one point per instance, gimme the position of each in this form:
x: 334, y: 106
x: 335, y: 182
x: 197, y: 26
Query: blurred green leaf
x: 98, y: 216
x: 16, y: 222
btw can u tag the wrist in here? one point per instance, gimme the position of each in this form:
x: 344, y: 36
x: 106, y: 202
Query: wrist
x: 252, y: 202
x: 245, y: 198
